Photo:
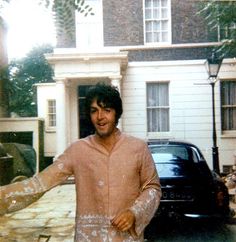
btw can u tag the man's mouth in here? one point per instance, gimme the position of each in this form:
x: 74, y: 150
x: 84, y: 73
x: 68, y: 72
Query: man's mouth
x: 101, y: 124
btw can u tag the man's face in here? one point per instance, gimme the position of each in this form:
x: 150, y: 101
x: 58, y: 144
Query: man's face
x: 103, y: 119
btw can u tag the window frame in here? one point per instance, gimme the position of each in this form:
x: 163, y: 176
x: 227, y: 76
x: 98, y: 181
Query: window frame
x: 153, y: 134
x: 49, y: 119
x: 169, y: 33
x: 225, y: 31
x: 222, y: 106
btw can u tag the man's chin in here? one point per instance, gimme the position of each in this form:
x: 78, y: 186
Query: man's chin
x: 102, y: 133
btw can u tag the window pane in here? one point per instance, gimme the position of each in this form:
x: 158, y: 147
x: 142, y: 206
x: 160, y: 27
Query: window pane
x: 164, y: 37
x: 148, y: 3
x: 229, y: 119
x: 157, y: 94
x: 148, y: 37
x: 164, y: 25
x: 148, y: 26
x: 156, y: 37
x: 158, y: 107
x: 164, y: 3
x: 156, y: 3
x: 158, y: 120
x: 156, y: 26
x: 156, y: 13
x: 228, y: 105
x: 148, y: 13
x: 51, y: 113
x: 164, y: 13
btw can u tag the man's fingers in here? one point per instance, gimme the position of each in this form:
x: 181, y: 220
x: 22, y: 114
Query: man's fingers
x: 123, y: 221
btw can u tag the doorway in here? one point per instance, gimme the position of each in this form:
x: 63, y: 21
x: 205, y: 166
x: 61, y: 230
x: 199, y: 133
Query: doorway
x: 85, y: 128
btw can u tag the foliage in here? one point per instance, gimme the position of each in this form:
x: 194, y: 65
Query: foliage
x: 4, y: 78
x: 63, y: 13
x: 23, y: 74
x: 221, y: 15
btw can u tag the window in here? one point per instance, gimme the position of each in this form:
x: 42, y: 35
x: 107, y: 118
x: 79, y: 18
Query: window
x: 226, y: 32
x: 51, y: 113
x: 157, y: 21
x: 89, y: 29
x: 158, y: 107
x: 226, y: 22
x: 228, y: 105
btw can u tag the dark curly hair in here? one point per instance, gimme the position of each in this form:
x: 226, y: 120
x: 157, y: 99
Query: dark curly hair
x: 106, y: 96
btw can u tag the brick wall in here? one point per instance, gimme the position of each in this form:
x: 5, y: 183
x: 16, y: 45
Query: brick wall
x: 123, y: 22
x: 187, y: 25
x: 170, y: 54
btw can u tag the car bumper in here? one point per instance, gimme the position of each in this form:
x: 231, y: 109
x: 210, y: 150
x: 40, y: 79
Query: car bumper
x: 176, y: 212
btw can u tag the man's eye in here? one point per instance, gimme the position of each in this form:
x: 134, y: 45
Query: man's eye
x: 92, y: 110
x: 108, y: 110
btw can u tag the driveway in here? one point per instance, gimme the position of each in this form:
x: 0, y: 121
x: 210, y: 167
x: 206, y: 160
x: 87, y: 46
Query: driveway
x: 52, y: 215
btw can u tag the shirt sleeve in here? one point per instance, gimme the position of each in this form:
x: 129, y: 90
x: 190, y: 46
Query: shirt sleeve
x: 148, y: 201
x: 19, y: 195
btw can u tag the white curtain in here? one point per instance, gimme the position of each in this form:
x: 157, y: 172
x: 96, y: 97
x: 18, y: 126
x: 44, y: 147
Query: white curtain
x: 158, y: 107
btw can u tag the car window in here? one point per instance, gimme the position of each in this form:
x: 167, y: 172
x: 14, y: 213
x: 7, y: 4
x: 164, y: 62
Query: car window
x: 170, y: 152
x: 196, y: 155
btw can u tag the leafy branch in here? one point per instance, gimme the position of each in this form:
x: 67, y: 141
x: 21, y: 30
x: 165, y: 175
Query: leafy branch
x: 63, y: 12
x: 221, y: 17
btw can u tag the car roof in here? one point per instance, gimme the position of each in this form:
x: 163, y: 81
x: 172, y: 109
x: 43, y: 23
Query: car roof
x: 169, y: 142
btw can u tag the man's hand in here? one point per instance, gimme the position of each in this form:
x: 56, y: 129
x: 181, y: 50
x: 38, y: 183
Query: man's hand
x: 124, y: 221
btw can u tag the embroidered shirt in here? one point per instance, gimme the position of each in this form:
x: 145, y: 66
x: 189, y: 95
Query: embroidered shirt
x: 106, y: 183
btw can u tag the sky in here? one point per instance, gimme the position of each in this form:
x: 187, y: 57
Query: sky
x: 28, y: 25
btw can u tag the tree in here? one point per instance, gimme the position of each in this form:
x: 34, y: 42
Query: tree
x: 62, y: 12
x: 23, y: 74
x: 64, y: 15
x: 221, y: 18
x: 3, y: 70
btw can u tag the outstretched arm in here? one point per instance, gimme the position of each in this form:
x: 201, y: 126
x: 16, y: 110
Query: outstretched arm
x: 19, y: 195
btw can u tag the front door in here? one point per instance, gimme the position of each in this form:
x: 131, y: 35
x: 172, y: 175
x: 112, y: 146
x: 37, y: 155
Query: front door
x: 85, y: 127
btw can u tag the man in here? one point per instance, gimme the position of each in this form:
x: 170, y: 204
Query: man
x: 117, y: 186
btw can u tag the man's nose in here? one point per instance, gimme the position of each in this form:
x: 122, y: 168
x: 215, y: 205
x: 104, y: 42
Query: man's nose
x: 100, y: 114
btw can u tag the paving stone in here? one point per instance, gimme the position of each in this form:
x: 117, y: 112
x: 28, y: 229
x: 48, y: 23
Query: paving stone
x: 53, y: 214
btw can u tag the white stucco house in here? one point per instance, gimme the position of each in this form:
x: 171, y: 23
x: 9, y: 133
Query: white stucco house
x: 155, y: 52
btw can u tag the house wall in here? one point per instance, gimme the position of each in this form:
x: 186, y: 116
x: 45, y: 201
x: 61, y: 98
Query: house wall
x: 187, y: 25
x: 190, y: 104
x: 45, y: 92
x: 120, y: 15
x: 34, y: 125
x: 181, y: 63
x: 170, y: 53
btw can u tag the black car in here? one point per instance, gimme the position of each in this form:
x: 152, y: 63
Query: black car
x: 189, y: 188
